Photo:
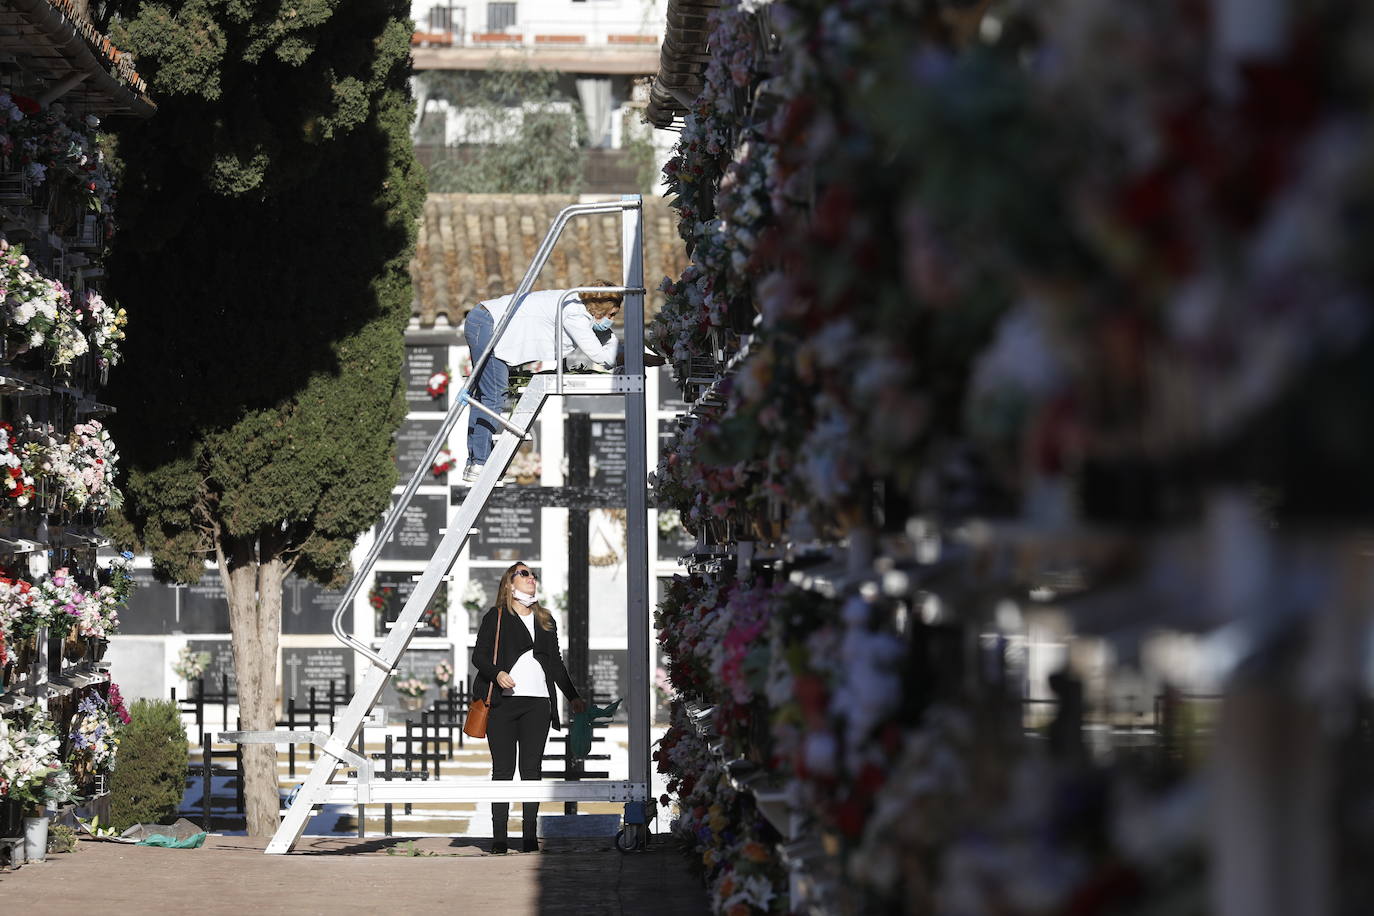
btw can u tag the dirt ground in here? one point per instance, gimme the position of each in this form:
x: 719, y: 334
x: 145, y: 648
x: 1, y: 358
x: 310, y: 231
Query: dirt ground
x: 229, y: 874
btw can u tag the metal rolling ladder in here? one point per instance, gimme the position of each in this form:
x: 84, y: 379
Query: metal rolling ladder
x: 328, y: 781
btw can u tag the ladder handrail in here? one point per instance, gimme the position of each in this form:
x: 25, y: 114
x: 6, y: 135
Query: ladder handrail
x: 393, y: 516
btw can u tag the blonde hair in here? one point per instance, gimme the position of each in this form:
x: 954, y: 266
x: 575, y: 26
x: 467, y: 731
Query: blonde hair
x: 599, y: 305
x: 506, y: 602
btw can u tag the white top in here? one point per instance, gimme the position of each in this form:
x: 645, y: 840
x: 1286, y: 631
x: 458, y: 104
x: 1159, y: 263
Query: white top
x: 529, y: 337
x: 528, y: 674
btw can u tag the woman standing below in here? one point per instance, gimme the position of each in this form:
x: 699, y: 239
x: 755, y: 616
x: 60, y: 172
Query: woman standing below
x: 524, y: 667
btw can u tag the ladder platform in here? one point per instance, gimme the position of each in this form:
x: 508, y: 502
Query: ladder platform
x: 590, y: 383
x: 482, y: 790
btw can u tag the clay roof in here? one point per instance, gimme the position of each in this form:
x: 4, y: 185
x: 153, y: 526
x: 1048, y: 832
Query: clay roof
x: 682, y: 60
x: 477, y: 246
x: 55, y: 42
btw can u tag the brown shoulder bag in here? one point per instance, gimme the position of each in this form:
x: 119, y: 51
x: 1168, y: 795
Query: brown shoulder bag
x: 475, y: 725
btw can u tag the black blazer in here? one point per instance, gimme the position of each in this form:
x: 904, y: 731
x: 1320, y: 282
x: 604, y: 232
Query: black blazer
x: 515, y: 641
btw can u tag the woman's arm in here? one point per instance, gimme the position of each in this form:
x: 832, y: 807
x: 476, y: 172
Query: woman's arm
x: 482, y: 650
x: 560, y: 670
x: 577, y: 325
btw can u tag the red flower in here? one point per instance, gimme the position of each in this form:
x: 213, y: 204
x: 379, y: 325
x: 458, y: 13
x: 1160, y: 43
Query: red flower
x: 25, y: 104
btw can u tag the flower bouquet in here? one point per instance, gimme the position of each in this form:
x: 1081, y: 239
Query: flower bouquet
x: 411, y: 690
x: 443, y: 463
x: 93, y: 739
x: 190, y: 665
x: 438, y: 384
x: 443, y: 674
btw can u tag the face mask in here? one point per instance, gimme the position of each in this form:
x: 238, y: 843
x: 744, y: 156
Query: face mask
x: 524, y: 599
x: 602, y: 324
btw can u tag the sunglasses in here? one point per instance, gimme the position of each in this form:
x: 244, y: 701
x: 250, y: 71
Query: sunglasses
x: 525, y: 572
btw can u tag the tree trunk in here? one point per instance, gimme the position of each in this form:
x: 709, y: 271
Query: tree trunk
x: 253, y: 571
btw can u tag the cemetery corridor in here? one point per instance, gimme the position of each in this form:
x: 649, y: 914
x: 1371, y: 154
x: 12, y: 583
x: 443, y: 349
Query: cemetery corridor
x: 332, y: 875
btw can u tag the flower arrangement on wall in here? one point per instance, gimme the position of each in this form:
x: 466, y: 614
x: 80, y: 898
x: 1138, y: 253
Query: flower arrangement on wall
x: 42, y: 313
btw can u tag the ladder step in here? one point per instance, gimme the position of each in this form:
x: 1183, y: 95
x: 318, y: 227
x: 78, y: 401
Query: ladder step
x: 442, y: 790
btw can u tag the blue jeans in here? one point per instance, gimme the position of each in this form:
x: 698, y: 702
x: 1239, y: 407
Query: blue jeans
x: 490, y: 386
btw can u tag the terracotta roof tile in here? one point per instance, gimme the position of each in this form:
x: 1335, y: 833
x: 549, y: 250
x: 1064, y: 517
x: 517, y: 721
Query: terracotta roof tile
x: 476, y: 246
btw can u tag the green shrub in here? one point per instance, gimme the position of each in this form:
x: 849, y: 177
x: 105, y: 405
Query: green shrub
x: 150, y: 771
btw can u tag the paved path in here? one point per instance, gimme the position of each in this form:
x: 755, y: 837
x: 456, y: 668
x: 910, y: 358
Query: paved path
x: 572, y: 877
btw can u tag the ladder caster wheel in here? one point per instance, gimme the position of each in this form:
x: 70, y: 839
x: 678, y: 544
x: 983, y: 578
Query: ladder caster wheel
x: 631, y: 838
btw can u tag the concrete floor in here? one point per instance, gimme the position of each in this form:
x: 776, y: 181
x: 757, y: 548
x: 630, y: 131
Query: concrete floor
x: 332, y: 875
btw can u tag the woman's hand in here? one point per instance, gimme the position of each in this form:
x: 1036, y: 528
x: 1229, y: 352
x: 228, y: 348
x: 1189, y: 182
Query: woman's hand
x: 505, y: 681
x: 579, y: 705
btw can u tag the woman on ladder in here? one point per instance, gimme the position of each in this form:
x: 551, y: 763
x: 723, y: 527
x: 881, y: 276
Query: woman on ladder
x: 524, y: 663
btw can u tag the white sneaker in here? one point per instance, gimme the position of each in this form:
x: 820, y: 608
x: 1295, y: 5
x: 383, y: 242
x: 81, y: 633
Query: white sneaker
x: 472, y: 472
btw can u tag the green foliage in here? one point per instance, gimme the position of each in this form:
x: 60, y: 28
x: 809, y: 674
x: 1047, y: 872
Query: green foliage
x: 268, y: 215
x: 61, y: 838
x: 540, y: 153
x: 148, y: 783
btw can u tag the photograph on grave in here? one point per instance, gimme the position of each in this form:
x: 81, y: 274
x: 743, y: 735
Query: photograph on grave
x: 412, y: 440
x: 389, y: 593
x: 417, y: 536
x: 506, y: 533
x: 221, y: 653
x: 428, y: 378
x: 324, y: 669
x: 609, y: 679
x: 308, y: 608
x: 414, y: 686
x: 152, y: 608
x: 479, y: 592
x: 205, y: 606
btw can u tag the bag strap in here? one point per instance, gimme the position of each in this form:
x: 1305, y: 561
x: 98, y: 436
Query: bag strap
x: 495, y: 649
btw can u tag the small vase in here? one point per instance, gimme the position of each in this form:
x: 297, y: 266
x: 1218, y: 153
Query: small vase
x: 73, y: 646
x: 411, y: 703
x: 36, y: 838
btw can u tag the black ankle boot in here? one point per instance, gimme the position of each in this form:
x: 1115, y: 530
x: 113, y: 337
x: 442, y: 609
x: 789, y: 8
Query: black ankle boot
x: 498, y: 847
x: 529, y: 845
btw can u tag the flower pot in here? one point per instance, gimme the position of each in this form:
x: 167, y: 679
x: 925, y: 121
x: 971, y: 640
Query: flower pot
x: 411, y: 703
x: 73, y: 646
x: 98, y: 645
x: 36, y: 838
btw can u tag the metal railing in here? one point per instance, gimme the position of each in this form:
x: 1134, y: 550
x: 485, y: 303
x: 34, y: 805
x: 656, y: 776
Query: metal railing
x: 465, y: 398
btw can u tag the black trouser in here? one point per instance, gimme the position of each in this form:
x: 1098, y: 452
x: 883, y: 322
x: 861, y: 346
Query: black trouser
x: 522, y: 721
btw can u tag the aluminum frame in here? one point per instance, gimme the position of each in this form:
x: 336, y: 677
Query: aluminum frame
x: 320, y: 786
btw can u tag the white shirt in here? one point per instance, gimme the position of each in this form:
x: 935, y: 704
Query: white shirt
x: 530, y: 335
x: 528, y: 673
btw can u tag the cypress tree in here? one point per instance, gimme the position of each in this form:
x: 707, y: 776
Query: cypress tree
x: 267, y: 216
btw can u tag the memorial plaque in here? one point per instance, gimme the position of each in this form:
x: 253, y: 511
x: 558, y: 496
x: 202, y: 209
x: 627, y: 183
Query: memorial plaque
x: 422, y: 361
x: 419, y: 664
x: 152, y: 609
x: 302, y: 669
x: 477, y: 601
x: 309, y: 608
x: 417, y: 535
x: 391, y: 591
x: 205, y: 606
x: 506, y: 533
x: 412, y: 441
x: 669, y: 394
x: 221, y: 662
x: 608, y: 453
x: 609, y: 679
